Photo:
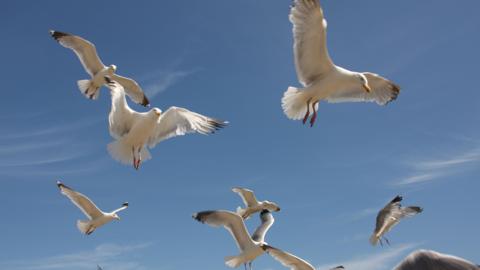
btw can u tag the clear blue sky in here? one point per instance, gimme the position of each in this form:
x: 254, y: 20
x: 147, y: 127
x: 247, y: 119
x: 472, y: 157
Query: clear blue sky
x: 233, y: 60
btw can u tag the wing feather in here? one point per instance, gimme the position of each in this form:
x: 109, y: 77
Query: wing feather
x: 311, y: 56
x: 81, y: 201
x: 84, y: 49
x: 132, y: 89
x: 247, y: 196
x: 288, y: 260
x: 179, y: 121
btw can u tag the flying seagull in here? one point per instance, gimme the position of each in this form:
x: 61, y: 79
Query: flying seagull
x: 389, y: 216
x: 432, y: 260
x: 87, y: 54
x: 252, y: 204
x: 133, y: 131
x: 320, y: 77
x: 96, y: 217
x: 250, y: 247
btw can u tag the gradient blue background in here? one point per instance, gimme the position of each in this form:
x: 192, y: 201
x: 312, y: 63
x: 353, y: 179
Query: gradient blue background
x: 233, y: 60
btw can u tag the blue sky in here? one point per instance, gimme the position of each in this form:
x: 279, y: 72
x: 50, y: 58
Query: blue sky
x: 233, y: 60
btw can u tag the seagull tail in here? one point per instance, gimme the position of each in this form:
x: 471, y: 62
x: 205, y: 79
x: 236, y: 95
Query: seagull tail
x: 120, y: 151
x: 373, y: 240
x: 83, y: 226
x: 294, y: 103
x: 88, y: 89
x: 234, y: 261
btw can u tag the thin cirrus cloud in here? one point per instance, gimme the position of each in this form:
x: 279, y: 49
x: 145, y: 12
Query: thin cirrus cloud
x: 159, y: 81
x: 429, y: 170
x: 385, y: 259
x: 109, y: 256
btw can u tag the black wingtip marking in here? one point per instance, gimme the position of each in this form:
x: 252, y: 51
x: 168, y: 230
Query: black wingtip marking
x: 264, y: 211
x: 217, y: 124
x: 145, y: 101
x: 416, y: 209
x: 125, y: 204
x: 57, y: 34
x: 201, y: 216
x: 398, y: 198
x: 60, y: 184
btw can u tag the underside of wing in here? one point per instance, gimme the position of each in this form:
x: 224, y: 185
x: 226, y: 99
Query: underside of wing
x: 310, y: 49
x: 288, y: 260
x: 247, y: 196
x: 132, y: 89
x: 81, y: 201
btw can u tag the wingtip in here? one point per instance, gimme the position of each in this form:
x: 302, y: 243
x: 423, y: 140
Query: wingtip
x: 60, y: 184
x: 145, y: 102
x: 57, y: 34
x: 397, y: 198
x: 125, y: 204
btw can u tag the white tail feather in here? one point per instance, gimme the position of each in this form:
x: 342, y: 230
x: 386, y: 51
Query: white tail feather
x: 88, y: 89
x: 83, y: 225
x: 233, y: 261
x: 373, y: 239
x: 122, y: 152
x: 294, y: 103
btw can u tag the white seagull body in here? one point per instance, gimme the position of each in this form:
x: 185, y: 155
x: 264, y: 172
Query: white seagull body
x: 90, y: 60
x: 133, y: 130
x: 390, y: 216
x: 96, y: 217
x: 250, y: 247
x: 321, y: 78
x: 252, y: 205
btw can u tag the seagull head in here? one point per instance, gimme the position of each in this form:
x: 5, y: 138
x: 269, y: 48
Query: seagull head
x: 113, y: 67
x: 271, y: 206
x: 156, y: 112
x: 364, y: 82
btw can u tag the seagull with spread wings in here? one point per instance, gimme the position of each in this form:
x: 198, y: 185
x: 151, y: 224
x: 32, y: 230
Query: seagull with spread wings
x: 96, y: 217
x: 389, y: 216
x: 320, y: 77
x: 87, y: 53
x: 250, y: 246
x: 252, y: 205
x: 133, y: 131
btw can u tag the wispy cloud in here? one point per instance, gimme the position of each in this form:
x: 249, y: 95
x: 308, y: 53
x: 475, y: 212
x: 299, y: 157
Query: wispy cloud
x: 428, y: 170
x: 378, y: 261
x: 159, y: 81
x: 109, y: 256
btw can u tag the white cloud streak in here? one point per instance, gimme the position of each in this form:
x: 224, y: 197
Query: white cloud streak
x: 109, y: 256
x: 160, y: 81
x: 378, y: 261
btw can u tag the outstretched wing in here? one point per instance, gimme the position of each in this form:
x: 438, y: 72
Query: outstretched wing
x: 391, y: 215
x: 231, y: 221
x: 84, y: 49
x: 132, y: 89
x: 267, y: 221
x: 247, y: 196
x: 382, y: 92
x: 310, y: 45
x: 124, y: 206
x: 179, y: 121
x: 287, y: 259
x: 81, y: 201
x: 121, y: 117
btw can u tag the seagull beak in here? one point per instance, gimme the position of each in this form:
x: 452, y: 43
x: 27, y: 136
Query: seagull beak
x: 367, y: 88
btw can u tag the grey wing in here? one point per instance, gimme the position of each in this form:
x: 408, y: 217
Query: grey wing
x: 84, y: 49
x: 312, y: 60
x: 81, y: 201
x: 288, y: 260
x: 121, y: 117
x: 231, y: 221
x: 247, y: 196
x: 179, y: 121
x: 132, y: 89
x: 267, y: 221
x: 382, y: 92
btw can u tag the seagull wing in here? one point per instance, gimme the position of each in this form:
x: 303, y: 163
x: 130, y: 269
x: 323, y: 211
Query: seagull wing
x: 121, y: 117
x: 247, y: 195
x: 267, y: 222
x: 81, y: 201
x: 179, y: 121
x: 132, y: 89
x: 84, y: 49
x: 392, y: 213
x: 287, y: 259
x: 231, y: 221
x: 382, y: 92
x: 310, y: 45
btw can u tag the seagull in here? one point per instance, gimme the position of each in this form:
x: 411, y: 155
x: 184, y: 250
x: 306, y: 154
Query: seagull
x: 87, y: 54
x: 389, y: 216
x: 432, y: 260
x: 96, y: 217
x: 133, y: 131
x: 320, y: 77
x: 250, y: 247
x: 251, y: 203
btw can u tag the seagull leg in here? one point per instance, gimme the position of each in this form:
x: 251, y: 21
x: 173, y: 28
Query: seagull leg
x: 386, y: 240
x: 314, y: 117
x: 245, y: 265
x: 250, y: 265
x: 308, y: 111
x: 381, y: 243
x: 139, y: 160
x: 134, y: 158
